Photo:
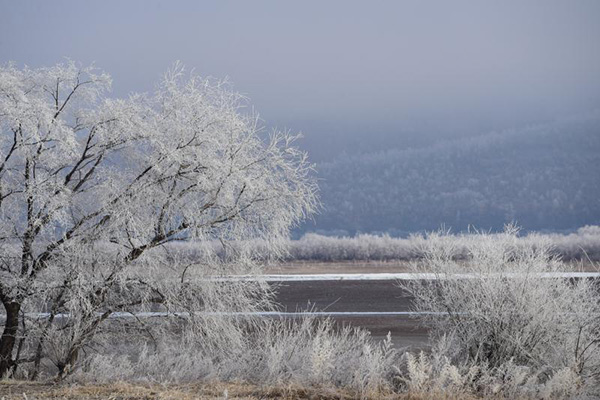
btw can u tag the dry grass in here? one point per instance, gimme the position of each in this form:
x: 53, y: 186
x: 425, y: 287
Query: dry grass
x: 13, y: 390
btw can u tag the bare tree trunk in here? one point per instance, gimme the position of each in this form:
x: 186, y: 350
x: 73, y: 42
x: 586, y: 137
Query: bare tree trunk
x: 8, y: 340
x: 66, y: 368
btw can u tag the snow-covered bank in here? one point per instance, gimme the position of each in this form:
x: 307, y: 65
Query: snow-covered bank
x: 393, y: 276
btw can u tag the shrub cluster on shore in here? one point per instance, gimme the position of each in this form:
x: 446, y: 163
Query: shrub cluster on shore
x: 504, y: 333
x: 581, y: 245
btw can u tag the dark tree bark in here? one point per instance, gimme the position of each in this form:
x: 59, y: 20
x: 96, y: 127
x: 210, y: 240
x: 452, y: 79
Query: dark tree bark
x: 9, y: 336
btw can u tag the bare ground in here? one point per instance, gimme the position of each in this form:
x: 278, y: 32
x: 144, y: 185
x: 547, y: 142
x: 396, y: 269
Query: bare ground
x: 13, y: 390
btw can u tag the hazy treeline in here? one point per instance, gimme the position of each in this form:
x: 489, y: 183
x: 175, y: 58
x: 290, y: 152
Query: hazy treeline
x: 583, y: 244
x: 543, y: 177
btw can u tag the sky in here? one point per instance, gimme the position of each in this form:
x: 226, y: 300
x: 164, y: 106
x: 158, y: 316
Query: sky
x: 339, y: 71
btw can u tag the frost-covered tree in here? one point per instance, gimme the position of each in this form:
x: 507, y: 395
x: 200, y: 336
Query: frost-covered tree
x: 92, y: 188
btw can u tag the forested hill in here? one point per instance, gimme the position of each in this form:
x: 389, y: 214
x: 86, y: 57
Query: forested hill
x: 544, y: 177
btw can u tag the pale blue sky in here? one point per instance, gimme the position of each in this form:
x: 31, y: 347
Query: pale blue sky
x: 321, y: 66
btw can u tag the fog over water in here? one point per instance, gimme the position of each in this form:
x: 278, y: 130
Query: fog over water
x: 416, y: 113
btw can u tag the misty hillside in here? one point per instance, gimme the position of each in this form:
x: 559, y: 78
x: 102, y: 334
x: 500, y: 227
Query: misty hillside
x: 544, y: 177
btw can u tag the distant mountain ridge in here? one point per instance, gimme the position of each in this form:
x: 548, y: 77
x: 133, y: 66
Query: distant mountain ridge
x: 544, y: 177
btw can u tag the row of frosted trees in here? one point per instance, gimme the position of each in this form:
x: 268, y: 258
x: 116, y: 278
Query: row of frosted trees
x: 544, y: 177
x: 582, y: 245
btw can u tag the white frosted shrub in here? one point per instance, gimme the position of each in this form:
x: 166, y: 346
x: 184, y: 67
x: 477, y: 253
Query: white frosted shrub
x: 504, y: 309
x: 304, y: 351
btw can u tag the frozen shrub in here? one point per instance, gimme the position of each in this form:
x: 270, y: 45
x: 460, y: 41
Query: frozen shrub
x: 304, y: 351
x: 309, y: 351
x: 431, y: 375
x: 506, y: 310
